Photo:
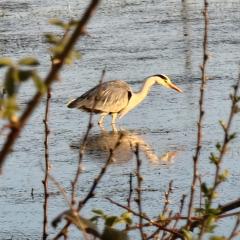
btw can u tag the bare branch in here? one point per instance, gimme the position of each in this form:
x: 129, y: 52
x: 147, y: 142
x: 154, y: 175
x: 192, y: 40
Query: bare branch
x: 52, y: 75
x: 201, y: 112
x: 45, y: 181
x: 139, y: 191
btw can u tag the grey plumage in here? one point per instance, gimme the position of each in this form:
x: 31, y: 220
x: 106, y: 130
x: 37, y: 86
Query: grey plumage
x: 107, y: 97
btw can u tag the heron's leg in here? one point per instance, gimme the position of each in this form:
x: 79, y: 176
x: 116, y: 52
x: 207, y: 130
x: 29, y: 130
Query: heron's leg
x: 102, y: 116
x: 114, y: 116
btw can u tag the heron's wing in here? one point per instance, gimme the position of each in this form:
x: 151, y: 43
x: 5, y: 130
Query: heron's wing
x: 110, y: 96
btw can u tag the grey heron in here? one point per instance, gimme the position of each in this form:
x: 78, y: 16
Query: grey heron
x: 116, y: 97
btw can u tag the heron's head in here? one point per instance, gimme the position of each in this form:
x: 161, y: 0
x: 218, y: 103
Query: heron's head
x: 166, y: 82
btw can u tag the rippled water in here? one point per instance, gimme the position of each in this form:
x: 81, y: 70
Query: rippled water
x: 133, y: 40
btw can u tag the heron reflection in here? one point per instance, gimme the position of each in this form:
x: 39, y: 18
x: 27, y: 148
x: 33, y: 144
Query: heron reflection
x: 123, y: 143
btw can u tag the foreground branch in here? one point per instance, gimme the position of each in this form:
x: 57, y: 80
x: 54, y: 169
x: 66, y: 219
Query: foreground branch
x: 201, y: 112
x: 51, y: 77
x: 45, y: 181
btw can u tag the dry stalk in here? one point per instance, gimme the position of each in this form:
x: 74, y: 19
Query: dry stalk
x: 83, y: 146
x: 164, y: 211
x: 201, y: 113
x: 130, y: 193
x: 139, y: 191
x: 235, y: 232
x: 50, y: 78
x: 226, y: 139
x: 182, y: 202
x: 45, y: 181
x: 130, y: 190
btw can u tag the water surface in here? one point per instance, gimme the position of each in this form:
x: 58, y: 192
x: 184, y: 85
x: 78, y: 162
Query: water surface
x: 133, y: 40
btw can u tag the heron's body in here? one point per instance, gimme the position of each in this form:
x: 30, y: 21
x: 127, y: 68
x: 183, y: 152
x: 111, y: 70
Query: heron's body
x: 116, y: 97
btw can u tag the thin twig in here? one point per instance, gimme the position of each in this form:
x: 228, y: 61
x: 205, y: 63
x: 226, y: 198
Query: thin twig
x: 139, y: 191
x: 165, y: 210
x: 229, y: 206
x: 130, y: 193
x: 235, y: 232
x: 167, y: 195
x: 201, y: 113
x: 226, y: 139
x: 182, y: 202
x: 83, y: 146
x: 45, y: 181
x: 97, y: 180
x: 51, y: 77
x: 130, y: 190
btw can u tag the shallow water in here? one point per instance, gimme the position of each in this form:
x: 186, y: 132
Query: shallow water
x: 132, y: 39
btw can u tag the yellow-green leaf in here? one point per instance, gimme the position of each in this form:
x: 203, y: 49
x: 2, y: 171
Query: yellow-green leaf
x: 57, y: 22
x: 40, y: 85
x: 24, y: 75
x: 11, y: 81
x: 5, y: 61
x: 28, y: 61
x: 187, y: 234
x: 82, y: 223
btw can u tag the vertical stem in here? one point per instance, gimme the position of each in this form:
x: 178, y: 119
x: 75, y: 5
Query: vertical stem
x: 139, y: 192
x: 130, y: 193
x: 130, y: 190
x: 235, y: 232
x: 83, y: 146
x: 45, y: 181
x: 201, y: 113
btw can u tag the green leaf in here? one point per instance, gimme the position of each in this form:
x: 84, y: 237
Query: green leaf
x: 232, y: 136
x: 98, y: 212
x: 204, y: 189
x: 111, y: 220
x: 58, y: 49
x: 82, y: 223
x: 187, y: 234
x: 41, y: 87
x: 217, y: 238
x: 57, y: 22
x: 214, y: 159
x: 73, y: 23
x: 9, y: 108
x: 52, y: 39
x: 127, y: 217
x: 223, y: 176
x: 114, y: 234
x: 223, y: 124
x: 5, y: 61
x: 11, y: 81
x: 218, y: 146
x: 28, y: 61
x: 24, y: 75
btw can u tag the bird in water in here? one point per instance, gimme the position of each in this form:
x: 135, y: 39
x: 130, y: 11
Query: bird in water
x: 116, y: 97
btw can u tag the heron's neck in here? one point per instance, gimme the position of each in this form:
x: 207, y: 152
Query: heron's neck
x: 139, y: 96
x: 143, y: 92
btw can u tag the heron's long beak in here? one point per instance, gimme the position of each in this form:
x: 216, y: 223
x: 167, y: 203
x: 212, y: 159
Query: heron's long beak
x: 173, y: 86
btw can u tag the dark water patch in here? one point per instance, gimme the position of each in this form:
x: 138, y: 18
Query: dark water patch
x: 14, y: 6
